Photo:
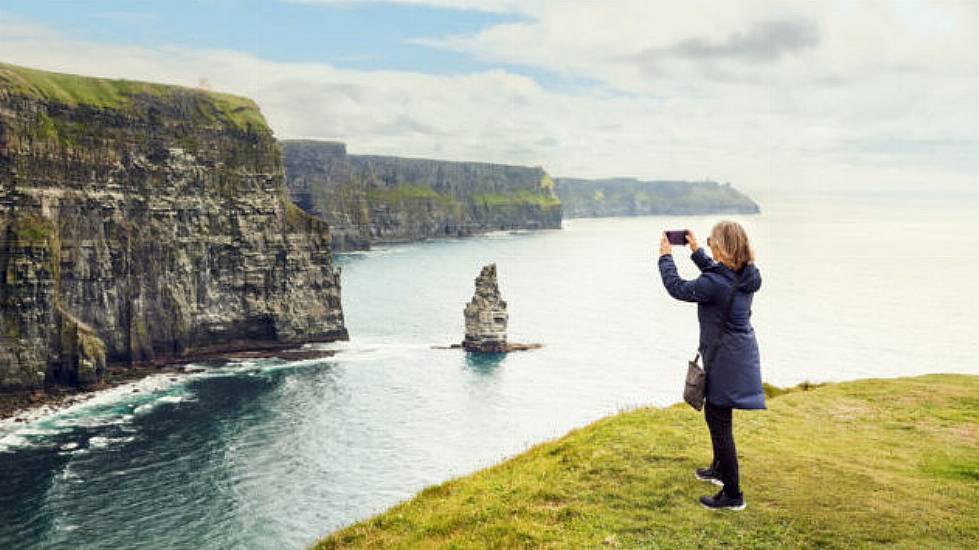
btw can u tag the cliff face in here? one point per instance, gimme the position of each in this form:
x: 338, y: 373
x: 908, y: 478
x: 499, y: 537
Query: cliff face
x: 630, y: 197
x: 319, y: 177
x: 369, y: 199
x: 140, y: 223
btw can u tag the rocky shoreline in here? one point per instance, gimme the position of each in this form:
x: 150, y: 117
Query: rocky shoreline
x: 22, y: 405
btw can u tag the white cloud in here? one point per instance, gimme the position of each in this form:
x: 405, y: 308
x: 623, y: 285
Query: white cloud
x: 851, y: 95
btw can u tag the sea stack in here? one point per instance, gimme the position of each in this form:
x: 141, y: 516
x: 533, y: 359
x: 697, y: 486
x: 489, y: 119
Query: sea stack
x: 486, y: 316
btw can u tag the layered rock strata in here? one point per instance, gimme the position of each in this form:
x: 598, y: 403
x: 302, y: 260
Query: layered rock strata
x: 486, y: 315
x: 377, y: 199
x: 141, y: 223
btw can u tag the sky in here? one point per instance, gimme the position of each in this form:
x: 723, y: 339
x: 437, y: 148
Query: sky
x: 780, y: 98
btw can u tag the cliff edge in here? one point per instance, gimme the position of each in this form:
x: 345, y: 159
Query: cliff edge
x: 141, y: 223
x: 871, y: 463
x: 372, y: 199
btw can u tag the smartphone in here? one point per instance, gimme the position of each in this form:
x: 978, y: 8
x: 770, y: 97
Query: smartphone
x: 678, y: 237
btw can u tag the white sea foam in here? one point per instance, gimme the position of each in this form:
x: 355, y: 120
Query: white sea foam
x: 80, y: 403
x: 171, y: 399
x: 395, y: 249
x: 12, y: 441
x: 121, y: 404
x: 69, y: 475
x: 367, y: 350
x: 91, y: 410
x: 102, y: 442
x: 505, y: 234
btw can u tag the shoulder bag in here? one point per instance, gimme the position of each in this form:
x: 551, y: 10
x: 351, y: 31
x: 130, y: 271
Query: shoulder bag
x: 695, y: 389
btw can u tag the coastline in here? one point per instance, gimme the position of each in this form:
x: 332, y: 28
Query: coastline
x: 28, y: 405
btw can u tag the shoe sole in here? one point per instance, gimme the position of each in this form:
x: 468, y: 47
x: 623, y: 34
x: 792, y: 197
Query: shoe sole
x: 713, y: 480
x: 735, y: 508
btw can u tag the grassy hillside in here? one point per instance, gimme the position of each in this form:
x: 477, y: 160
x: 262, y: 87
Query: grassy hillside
x: 862, y: 464
x: 74, y: 90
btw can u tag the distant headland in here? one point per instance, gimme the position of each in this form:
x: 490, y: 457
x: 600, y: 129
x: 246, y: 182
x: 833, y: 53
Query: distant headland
x: 581, y: 198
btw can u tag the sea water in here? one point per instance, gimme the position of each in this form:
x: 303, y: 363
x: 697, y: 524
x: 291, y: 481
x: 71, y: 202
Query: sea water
x: 272, y: 454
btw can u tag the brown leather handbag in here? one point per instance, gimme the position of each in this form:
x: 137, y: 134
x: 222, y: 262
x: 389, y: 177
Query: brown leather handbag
x: 696, y: 387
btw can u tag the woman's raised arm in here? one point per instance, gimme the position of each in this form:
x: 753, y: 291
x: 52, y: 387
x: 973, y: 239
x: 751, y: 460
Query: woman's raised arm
x: 700, y: 289
x: 697, y: 254
x: 703, y: 261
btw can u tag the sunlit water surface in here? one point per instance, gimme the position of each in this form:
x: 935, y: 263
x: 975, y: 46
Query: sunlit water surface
x: 266, y: 454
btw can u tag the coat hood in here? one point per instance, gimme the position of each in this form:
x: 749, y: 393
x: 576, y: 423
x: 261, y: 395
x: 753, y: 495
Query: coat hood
x: 750, y: 277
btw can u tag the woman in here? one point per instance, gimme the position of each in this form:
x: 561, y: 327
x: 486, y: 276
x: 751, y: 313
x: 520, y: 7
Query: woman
x: 734, y: 373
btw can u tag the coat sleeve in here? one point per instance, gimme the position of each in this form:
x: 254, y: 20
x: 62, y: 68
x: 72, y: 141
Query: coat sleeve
x: 703, y: 261
x: 700, y: 289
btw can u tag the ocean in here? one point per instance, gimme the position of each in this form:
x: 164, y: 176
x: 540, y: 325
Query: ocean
x: 273, y: 454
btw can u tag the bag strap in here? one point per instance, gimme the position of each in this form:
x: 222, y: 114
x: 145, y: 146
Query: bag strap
x: 722, y: 327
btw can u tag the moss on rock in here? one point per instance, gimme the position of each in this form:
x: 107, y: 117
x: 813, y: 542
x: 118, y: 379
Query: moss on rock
x: 32, y: 229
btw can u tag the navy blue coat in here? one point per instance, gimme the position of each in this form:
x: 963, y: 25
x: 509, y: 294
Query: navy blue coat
x: 734, y: 378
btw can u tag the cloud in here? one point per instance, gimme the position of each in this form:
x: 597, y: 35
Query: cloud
x: 616, y: 42
x: 764, y: 41
x: 776, y: 98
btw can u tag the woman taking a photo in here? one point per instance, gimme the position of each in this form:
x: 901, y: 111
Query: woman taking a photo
x: 730, y: 351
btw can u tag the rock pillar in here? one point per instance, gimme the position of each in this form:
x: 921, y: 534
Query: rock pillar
x: 486, y: 315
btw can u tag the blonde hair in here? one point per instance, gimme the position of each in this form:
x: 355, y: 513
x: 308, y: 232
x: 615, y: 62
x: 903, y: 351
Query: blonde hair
x: 731, y: 240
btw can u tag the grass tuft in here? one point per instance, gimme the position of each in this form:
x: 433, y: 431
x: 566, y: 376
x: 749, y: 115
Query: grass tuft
x: 775, y: 391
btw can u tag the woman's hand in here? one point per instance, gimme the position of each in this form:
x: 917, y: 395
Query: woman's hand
x: 664, y: 246
x: 692, y: 241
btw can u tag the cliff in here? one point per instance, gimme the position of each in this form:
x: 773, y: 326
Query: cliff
x: 630, y: 197
x: 141, y: 223
x: 369, y: 199
x: 825, y: 467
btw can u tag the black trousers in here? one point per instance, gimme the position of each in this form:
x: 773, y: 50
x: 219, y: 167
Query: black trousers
x: 725, y: 454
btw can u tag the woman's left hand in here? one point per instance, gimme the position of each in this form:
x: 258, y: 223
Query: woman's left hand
x: 664, y: 245
x: 692, y: 241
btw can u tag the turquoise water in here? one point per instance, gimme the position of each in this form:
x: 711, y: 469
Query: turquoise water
x: 267, y: 454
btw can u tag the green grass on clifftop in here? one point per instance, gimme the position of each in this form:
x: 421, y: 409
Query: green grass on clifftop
x: 408, y: 192
x: 871, y: 463
x: 105, y: 93
x: 517, y: 199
